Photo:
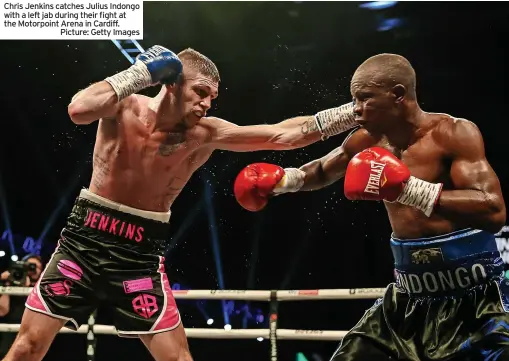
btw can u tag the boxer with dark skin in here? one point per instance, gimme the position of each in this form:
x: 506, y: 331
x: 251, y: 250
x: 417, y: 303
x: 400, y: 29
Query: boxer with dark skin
x: 444, y: 202
x: 435, y: 147
x: 145, y: 152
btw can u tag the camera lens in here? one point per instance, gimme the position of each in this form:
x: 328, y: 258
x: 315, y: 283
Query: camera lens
x: 17, y: 275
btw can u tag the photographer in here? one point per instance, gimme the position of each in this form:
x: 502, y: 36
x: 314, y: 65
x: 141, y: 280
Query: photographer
x: 24, y: 273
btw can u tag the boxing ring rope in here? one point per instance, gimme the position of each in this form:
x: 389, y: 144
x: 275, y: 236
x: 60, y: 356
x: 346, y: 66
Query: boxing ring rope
x: 274, y: 333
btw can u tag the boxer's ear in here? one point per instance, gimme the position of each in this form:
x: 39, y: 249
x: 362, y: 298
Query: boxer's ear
x: 399, y: 92
x: 171, y: 88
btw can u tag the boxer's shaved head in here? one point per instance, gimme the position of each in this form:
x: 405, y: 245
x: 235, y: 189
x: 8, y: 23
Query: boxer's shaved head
x: 387, y: 71
x: 191, y: 58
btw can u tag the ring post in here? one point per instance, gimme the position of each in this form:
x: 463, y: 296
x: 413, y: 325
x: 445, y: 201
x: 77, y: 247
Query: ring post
x: 273, y: 325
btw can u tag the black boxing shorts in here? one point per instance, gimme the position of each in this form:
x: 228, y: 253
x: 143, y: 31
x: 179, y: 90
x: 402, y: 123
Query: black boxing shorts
x: 111, y: 255
x: 450, y: 301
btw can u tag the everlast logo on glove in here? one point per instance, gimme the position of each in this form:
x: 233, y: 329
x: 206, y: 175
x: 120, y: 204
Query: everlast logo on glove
x: 373, y: 185
x: 375, y: 174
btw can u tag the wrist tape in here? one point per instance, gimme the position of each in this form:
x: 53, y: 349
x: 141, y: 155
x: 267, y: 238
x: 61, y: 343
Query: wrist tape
x: 335, y: 120
x: 130, y: 81
x: 420, y: 194
x: 291, y: 182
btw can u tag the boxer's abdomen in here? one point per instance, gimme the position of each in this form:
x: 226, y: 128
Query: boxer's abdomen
x: 409, y: 222
x: 144, y: 171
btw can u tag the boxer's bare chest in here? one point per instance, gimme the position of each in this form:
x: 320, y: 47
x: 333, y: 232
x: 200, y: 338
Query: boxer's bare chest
x: 425, y: 160
x: 145, y: 168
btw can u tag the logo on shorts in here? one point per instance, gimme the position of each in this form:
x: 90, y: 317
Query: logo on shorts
x: 145, y: 305
x: 142, y: 284
x: 443, y: 280
x: 114, y: 226
x: 428, y: 255
x: 62, y: 288
x: 70, y: 269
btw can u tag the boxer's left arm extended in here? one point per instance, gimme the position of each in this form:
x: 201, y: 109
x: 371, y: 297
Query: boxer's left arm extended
x: 291, y: 133
x: 476, y: 200
x: 257, y: 182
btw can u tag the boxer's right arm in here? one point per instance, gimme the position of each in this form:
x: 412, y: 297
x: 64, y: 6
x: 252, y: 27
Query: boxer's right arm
x: 95, y: 102
x: 257, y: 182
x: 327, y: 170
x: 156, y: 65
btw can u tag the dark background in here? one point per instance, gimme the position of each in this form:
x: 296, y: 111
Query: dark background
x: 277, y: 60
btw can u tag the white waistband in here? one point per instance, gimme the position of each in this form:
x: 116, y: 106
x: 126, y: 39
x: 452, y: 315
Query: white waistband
x: 156, y: 216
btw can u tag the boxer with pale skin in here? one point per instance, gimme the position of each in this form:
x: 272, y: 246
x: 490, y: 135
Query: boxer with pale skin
x: 145, y: 152
x: 450, y: 300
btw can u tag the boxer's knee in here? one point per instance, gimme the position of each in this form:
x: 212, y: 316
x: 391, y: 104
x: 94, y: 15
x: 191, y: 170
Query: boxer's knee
x: 173, y: 355
x: 168, y: 346
x: 185, y: 356
x: 34, y: 338
x: 181, y: 354
x: 27, y: 347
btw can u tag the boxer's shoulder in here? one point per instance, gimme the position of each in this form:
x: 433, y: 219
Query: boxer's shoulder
x: 358, y: 140
x: 211, y: 126
x: 444, y: 124
x: 134, y: 104
x: 130, y: 114
x: 452, y: 133
x: 214, y: 123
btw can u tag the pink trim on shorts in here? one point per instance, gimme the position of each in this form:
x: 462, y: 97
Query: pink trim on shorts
x: 36, y: 303
x: 169, y: 319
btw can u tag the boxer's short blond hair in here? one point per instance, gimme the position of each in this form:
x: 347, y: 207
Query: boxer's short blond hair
x: 194, y: 59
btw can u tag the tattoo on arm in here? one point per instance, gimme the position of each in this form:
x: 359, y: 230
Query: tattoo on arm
x: 101, y: 171
x: 308, y: 126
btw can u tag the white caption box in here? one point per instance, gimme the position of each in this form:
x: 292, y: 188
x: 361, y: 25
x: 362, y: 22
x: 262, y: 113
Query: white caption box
x: 71, y: 19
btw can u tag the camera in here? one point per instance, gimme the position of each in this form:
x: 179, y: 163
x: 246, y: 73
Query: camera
x: 19, y: 271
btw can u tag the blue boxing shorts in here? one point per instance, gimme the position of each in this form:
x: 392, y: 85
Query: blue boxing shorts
x: 109, y: 254
x: 450, y: 301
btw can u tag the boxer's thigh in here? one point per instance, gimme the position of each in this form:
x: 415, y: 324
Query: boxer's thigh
x: 141, y: 297
x: 357, y: 348
x: 482, y: 331
x: 491, y: 342
x: 369, y: 339
x: 65, y: 289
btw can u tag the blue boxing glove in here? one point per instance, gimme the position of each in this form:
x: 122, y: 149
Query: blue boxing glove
x: 163, y: 65
x: 157, y: 65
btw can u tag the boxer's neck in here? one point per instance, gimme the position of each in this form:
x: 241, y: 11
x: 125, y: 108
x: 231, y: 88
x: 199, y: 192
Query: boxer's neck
x: 167, y: 115
x: 406, y: 130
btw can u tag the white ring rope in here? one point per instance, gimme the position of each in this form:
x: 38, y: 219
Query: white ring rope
x: 281, y: 334
x: 248, y: 295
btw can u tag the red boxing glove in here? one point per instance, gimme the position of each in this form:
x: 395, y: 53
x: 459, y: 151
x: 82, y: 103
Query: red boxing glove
x: 255, y: 184
x: 376, y: 174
